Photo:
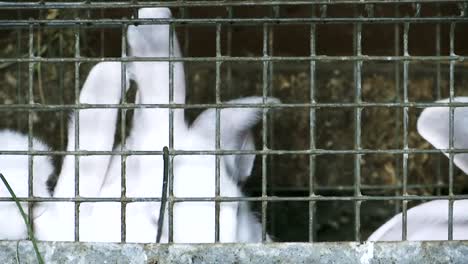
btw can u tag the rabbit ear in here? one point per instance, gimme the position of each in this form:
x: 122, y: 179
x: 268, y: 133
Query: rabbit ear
x: 152, y: 77
x: 153, y: 81
x: 151, y: 40
x: 235, y: 125
x: 433, y: 125
x: 96, y: 131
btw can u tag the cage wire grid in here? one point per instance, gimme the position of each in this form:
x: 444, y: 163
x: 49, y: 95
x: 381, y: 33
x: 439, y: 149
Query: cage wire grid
x: 363, y: 14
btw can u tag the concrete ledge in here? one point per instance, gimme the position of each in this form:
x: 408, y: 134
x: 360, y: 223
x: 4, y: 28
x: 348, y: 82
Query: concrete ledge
x: 343, y: 252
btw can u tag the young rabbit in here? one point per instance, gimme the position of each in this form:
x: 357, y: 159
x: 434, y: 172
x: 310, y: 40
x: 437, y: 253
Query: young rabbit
x: 194, y: 175
x: 96, y: 133
x: 15, y: 169
x: 99, y: 175
x: 149, y: 132
x: 237, y: 223
x: 429, y: 221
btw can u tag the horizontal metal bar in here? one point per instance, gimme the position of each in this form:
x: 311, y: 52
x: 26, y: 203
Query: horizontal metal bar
x: 326, y: 58
x: 130, y: 4
x: 322, y: 252
x: 119, y: 23
x: 234, y: 152
x: 241, y: 199
x: 53, y: 107
x: 349, y: 188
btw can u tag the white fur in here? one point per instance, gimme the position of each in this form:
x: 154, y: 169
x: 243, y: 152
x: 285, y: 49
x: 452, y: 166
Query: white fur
x: 194, y: 176
x: 96, y: 130
x: 429, y: 221
x: 433, y: 125
x: 235, y: 218
x: 15, y: 169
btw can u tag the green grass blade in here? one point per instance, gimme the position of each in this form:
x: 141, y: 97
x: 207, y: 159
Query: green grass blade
x: 25, y: 218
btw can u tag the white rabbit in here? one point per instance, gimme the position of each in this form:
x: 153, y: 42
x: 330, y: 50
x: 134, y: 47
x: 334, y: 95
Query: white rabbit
x: 99, y: 175
x: 149, y: 132
x: 429, y: 221
x: 55, y: 221
x: 237, y: 223
x: 96, y: 130
x: 194, y: 175
x: 15, y: 169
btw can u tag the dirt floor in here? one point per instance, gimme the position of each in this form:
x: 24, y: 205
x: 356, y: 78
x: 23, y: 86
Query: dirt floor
x: 288, y: 128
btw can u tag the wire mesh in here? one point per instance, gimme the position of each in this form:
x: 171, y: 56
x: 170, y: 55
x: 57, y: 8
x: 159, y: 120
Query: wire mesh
x: 402, y: 16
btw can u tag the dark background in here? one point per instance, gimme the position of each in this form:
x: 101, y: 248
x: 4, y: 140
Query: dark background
x: 288, y: 128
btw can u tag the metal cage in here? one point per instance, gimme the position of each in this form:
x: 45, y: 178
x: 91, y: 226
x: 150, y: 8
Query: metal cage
x: 334, y: 160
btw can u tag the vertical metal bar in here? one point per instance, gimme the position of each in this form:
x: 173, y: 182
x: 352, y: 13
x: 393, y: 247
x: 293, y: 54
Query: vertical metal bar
x: 171, y: 85
x: 417, y: 10
x: 370, y: 10
x: 463, y: 8
x: 88, y: 11
x: 357, y: 133
x: 406, y: 121
x: 134, y: 9
x: 451, y: 130
x: 312, y: 145
x: 102, y: 39
x: 170, y: 200
x: 323, y: 11
x: 229, y: 52
x: 217, y: 137
x: 19, y: 35
x: 30, y: 122
x: 269, y: 122
x: 438, y: 96
x: 270, y: 50
x: 171, y: 133
x: 123, y: 158
x: 398, y: 98
x: 39, y: 64
x: 77, y: 131
x: 405, y: 129
x: 264, y: 131
x: 61, y: 77
x: 184, y: 12
x: 229, y: 87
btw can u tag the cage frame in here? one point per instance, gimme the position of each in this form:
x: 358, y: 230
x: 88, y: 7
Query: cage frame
x: 267, y: 59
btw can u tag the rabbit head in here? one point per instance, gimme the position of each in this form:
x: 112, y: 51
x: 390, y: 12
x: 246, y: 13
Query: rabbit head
x: 15, y: 170
x: 153, y: 41
x: 235, y: 133
x: 434, y: 126
x: 194, y: 175
x: 150, y: 129
x: 149, y: 132
x: 429, y: 221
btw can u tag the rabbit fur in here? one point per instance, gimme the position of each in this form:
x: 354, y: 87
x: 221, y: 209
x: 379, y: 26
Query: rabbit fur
x: 194, y: 175
x: 429, y: 221
x: 15, y: 170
